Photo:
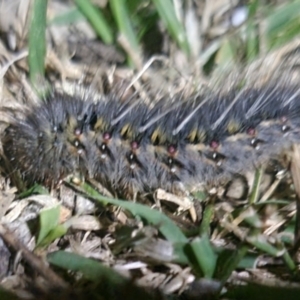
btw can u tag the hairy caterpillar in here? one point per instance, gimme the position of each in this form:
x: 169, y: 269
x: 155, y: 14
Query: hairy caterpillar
x: 130, y: 146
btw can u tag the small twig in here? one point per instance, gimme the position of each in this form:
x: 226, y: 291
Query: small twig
x: 34, y: 261
x: 133, y: 54
x: 145, y: 68
x: 295, y: 171
x: 11, y: 61
x: 256, y: 186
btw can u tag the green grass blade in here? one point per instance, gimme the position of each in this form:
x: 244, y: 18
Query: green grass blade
x: 255, y: 189
x: 37, y: 42
x: 71, y: 16
x: 35, y: 189
x: 260, y: 242
x: 90, y: 268
x: 96, y: 19
x: 205, y: 258
x: 167, y: 13
x: 283, y: 24
x: 206, y: 220
x: 120, y: 11
x: 280, y: 18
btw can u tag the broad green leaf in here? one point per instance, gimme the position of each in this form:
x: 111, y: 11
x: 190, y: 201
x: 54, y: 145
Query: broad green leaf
x: 166, y: 226
x: 49, y: 219
x: 203, y: 256
x: 229, y: 260
x: 54, y: 234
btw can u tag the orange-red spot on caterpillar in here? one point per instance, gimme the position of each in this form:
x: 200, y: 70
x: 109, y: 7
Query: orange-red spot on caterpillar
x: 251, y: 131
x: 283, y: 119
x: 77, y: 132
x: 172, y: 149
x: 106, y: 136
x: 134, y: 145
x: 214, y: 145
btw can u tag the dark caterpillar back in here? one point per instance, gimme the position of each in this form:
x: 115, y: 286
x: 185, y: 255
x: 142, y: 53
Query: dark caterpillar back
x: 133, y: 147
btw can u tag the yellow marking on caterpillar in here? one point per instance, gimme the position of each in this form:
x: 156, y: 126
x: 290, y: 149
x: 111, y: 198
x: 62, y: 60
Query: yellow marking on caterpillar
x: 158, y: 137
x: 233, y: 127
x: 100, y: 125
x: 197, y: 136
x: 126, y: 131
x: 201, y: 135
x: 72, y: 122
x: 193, y: 135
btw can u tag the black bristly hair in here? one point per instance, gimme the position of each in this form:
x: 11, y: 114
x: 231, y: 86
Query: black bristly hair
x: 132, y: 147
